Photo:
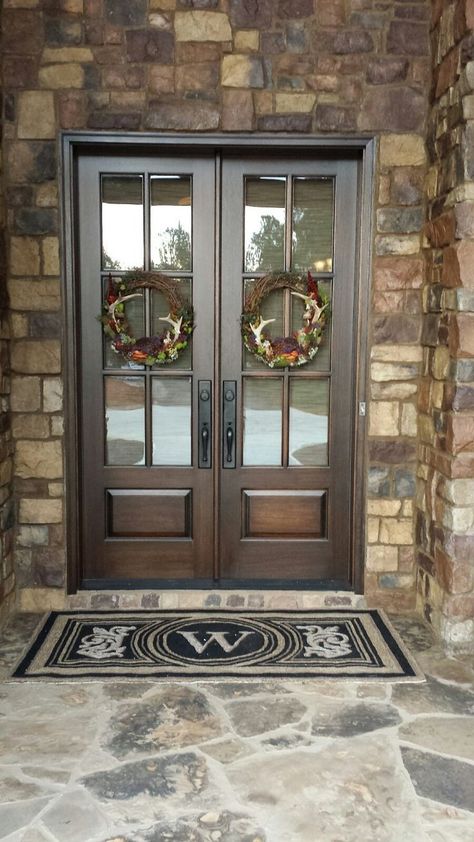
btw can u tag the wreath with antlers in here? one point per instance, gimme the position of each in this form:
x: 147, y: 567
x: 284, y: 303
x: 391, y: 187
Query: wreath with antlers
x: 299, y: 348
x: 148, y: 350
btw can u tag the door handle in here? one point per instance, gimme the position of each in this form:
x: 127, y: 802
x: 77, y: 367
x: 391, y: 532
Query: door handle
x: 229, y: 419
x: 205, y: 423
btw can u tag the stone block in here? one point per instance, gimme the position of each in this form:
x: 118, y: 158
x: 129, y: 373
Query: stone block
x: 373, y: 525
x: 36, y: 221
x: 45, y: 325
x: 30, y: 426
x: 400, y: 220
x: 396, y: 532
x: 47, y: 195
x: 24, y: 256
x: 378, y: 482
x: 41, y: 459
x: 241, y: 71
x: 382, y: 71
x: 408, y: 426
x: 22, y: 31
x: 108, y: 120
x: 57, y: 425
x: 202, y: 77
x: 60, y: 30
x: 34, y: 295
x: 66, y: 55
x: 408, y: 38
x: 123, y: 77
x: 397, y: 109
x: 397, y: 328
x: 40, y: 511
x: 406, y: 186
x: 464, y: 215
x: 334, y: 118
x: 25, y: 395
x: 458, y: 265
x: 52, y: 394
x: 72, y: 110
x: 246, y: 40
x: 402, y: 150
x: 397, y: 353
x: 36, y: 119
x: 384, y: 508
x: 459, y: 436
x: 124, y: 13
x: 384, y: 391
x: 391, y: 452
x: 57, y: 76
x: 295, y: 9
x: 237, y: 111
x: 382, y: 558
x: 33, y: 536
x: 35, y: 357
x: 461, y: 336
x: 183, y: 116
x: 148, y: 45
x: 285, y: 123
x: 384, y: 418
x: 392, y: 273
x: 255, y: 14
x: 161, y: 79
x: 285, y: 103
x: 202, y: 26
x: 352, y: 41
x: 50, y: 252
x: 397, y: 245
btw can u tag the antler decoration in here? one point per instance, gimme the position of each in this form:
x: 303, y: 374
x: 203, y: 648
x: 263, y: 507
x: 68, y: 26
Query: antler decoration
x: 312, y: 311
x: 120, y: 300
x: 176, y: 325
x: 257, y: 329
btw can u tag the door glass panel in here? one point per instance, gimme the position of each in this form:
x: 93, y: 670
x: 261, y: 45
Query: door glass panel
x: 160, y: 309
x: 170, y: 222
x: 135, y: 312
x: 262, y: 420
x: 309, y: 411
x: 171, y: 401
x: 264, y: 224
x: 122, y: 222
x: 322, y: 360
x: 312, y: 236
x: 125, y: 420
x: 272, y: 308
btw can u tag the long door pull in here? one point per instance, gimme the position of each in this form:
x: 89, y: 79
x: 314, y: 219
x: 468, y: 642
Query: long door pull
x: 205, y: 423
x: 229, y: 420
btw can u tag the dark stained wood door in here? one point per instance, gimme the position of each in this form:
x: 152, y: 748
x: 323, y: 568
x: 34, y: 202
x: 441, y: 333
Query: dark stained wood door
x: 272, y: 503
x: 290, y: 490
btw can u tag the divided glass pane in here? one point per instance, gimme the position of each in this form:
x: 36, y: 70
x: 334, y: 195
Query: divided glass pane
x: 272, y: 308
x: 171, y: 416
x: 312, y: 235
x: 262, y: 420
x: 135, y: 312
x: 264, y: 224
x: 125, y: 420
x: 160, y: 310
x: 122, y: 222
x: 170, y: 222
x: 322, y: 360
x: 309, y: 415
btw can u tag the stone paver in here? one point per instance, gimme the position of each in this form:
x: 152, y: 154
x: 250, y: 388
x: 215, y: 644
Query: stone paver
x: 289, y: 761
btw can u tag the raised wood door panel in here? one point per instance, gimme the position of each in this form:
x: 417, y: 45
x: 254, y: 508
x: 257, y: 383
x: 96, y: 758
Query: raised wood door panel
x: 147, y: 509
x: 290, y: 490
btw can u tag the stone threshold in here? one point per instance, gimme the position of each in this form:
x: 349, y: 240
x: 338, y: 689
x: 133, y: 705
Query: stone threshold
x: 51, y: 599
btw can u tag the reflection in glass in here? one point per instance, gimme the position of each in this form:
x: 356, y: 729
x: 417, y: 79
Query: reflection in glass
x: 125, y: 420
x: 312, y: 237
x: 262, y: 420
x: 171, y: 399
x: 170, y: 222
x: 322, y: 360
x: 264, y: 224
x: 135, y: 311
x: 160, y: 309
x: 122, y: 222
x: 309, y: 411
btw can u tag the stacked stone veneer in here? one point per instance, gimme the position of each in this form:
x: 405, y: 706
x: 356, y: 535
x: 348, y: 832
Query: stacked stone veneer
x: 445, y: 502
x: 295, y: 66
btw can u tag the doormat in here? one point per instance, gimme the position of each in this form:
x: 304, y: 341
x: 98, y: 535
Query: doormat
x: 201, y: 644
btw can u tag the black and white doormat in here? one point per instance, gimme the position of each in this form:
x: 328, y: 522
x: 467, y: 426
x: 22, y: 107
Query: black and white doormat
x: 202, y: 644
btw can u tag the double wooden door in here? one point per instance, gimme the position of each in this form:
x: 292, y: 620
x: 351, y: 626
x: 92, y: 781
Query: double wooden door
x: 216, y: 468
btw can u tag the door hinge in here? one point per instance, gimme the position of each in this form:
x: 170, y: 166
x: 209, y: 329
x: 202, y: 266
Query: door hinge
x: 362, y: 408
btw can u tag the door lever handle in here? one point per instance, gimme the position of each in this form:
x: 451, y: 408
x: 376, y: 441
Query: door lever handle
x: 204, y: 442
x: 229, y: 437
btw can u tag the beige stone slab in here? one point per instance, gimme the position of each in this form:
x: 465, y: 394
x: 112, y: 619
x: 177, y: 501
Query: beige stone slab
x: 202, y: 26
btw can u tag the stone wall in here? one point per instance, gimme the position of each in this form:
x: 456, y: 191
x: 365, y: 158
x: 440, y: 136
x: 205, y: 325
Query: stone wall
x: 7, y: 579
x: 305, y: 66
x: 445, y: 501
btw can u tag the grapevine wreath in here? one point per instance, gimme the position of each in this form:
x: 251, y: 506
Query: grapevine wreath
x: 303, y: 344
x: 148, y: 350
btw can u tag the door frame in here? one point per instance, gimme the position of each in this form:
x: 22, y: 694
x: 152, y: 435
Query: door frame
x: 75, y: 144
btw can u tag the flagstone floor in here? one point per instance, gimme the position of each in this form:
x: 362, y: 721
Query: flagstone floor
x: 294, y: 761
